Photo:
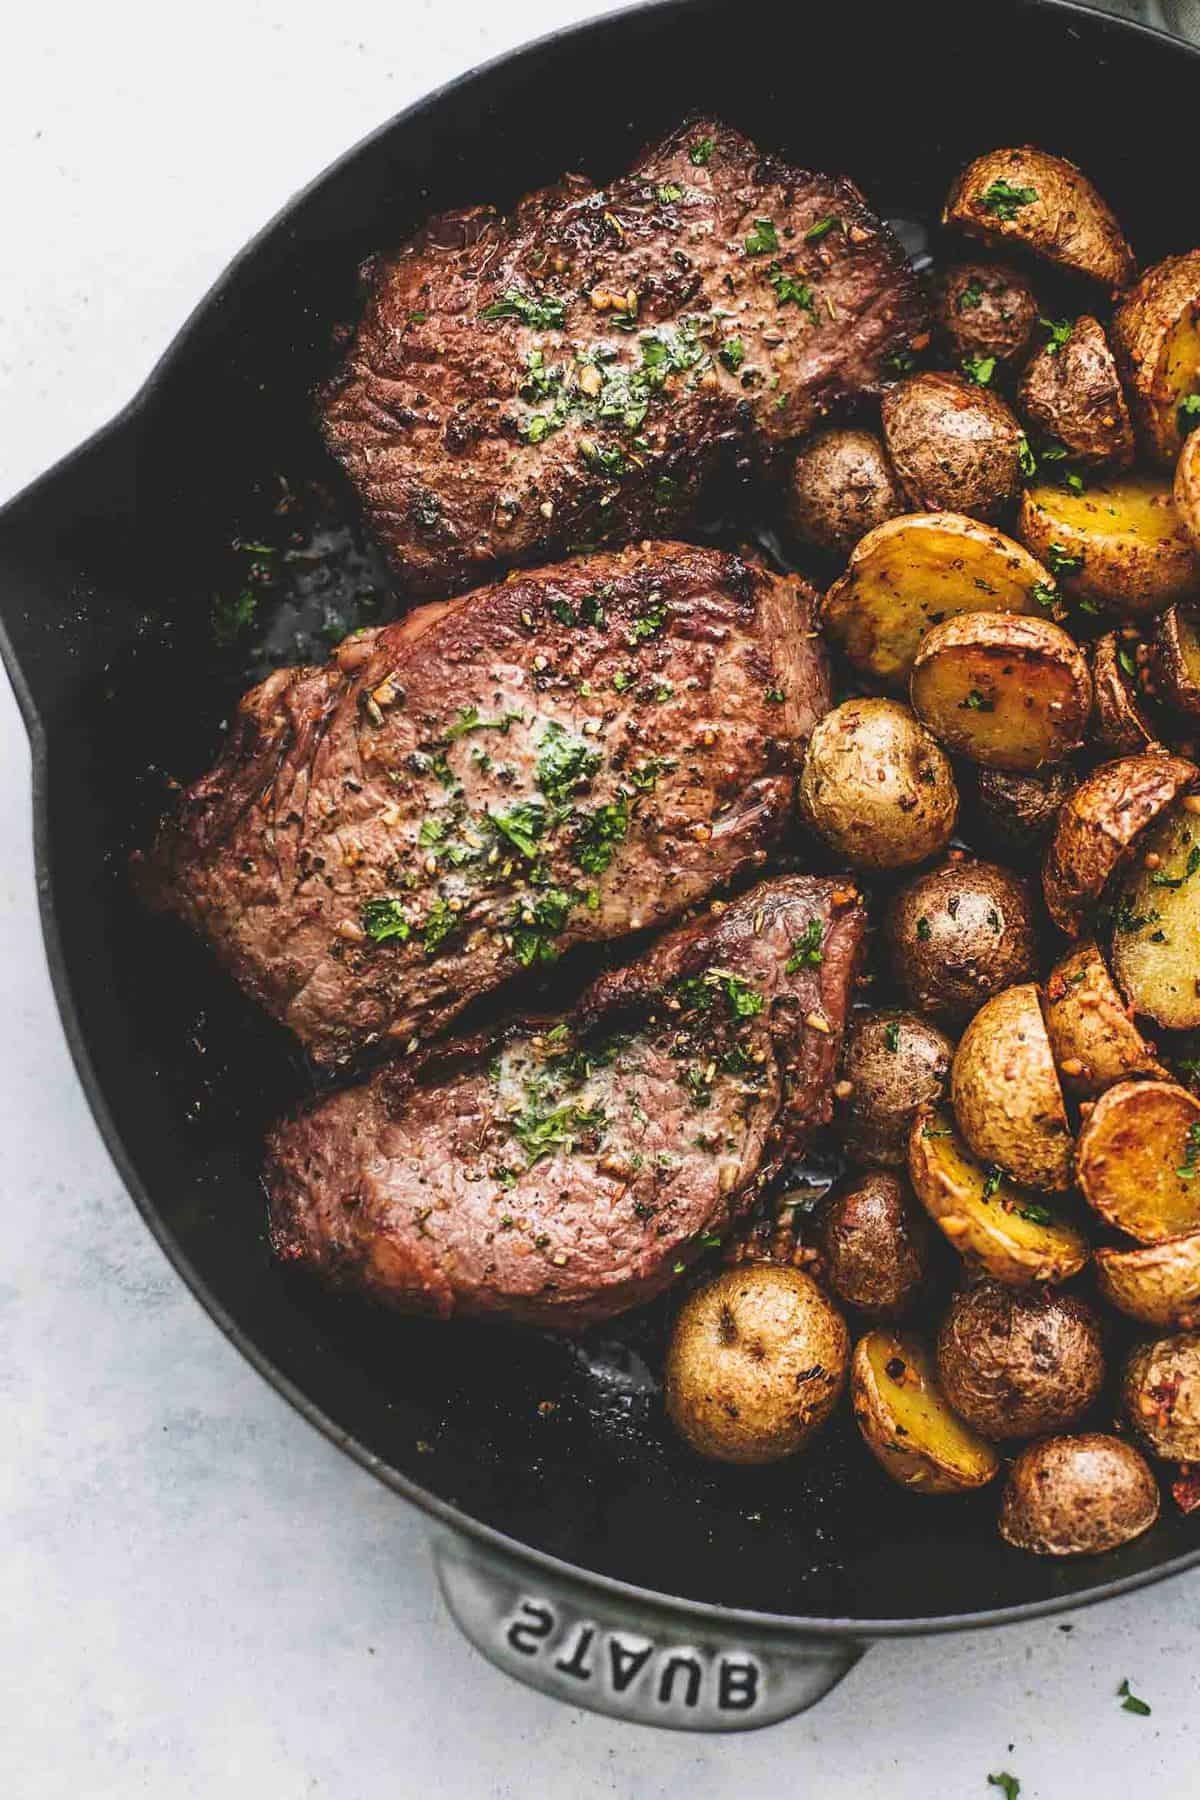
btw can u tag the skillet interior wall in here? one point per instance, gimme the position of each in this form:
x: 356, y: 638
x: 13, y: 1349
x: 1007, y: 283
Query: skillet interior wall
x: 110, y: 617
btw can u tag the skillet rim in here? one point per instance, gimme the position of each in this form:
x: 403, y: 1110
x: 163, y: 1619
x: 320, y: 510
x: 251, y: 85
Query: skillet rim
x: 776, y: 1626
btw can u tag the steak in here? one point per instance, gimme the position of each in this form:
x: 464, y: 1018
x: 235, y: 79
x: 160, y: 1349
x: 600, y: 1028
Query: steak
x: 581, y: 370
x: 557, y: 1173
x: 570, y: 755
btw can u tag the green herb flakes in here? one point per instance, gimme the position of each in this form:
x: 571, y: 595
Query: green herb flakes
x: 701, y: 151
x: 763, y: 240
x: 1130, y: 1702
x: 1004, y: 200
x: 383, y: 921
x: 543, y: 312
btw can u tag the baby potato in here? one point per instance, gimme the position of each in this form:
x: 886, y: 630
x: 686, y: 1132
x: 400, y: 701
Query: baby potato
x: 915, y: 571
x: 906, y: 1423
x: 1006, y: 1095
x: 1119, y: 544
x: 1003, y: 690
x: 1139, y: 1159
x: 1015, y: 812
x: 1092, y: 1033
x: 1177, y: 655
x: 1157, y: 1284
x: 1015, y: 1364
x: 954, y: 445
x: 1078, y: 1496
x: 1160, y: 1396
x: 894, y: 1063
x: 985, y: 309
x: 960, y: 933
x: 874, y: 1244
x: 1027, y: 199
x: 1072, y: 393
x: 1120, y: 723
x: 755, y: 1365
x: 1156, y: 335
x: 1098, y: 823
x: 996, y: 1228
x: 841, y: 486
x: 1156, y: 920
x: 877, y: 787
x: 1186, y: 489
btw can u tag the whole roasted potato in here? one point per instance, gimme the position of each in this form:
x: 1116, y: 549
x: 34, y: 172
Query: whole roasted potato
x: 985, y: 310
x: 1029, y: 200
x: 1120, y: 723
x: 905, y: 1421
x: 755, y: 1365
x: 1072, y: 393
x: 1097, y: 824
x: 1160, y: 1396
x: 893, y: 1063
x: 954, y: 445
x: 1078, y: 1496
x: 841, y: 486
x: 1006, y: 1094
x: 1186, y: 489
x: 1015, y: 1363
x: 1016, y: 813
x: 1157, y: 1284
x: 1092, y: 1032
x: 1139, y: 1159
x: 1119, y: 544
x: 1156, y: 919
x: 1177, y: 654
x: 877, y: 787
x: 960, y: 933
x: 1156, y: 335
x: 874, y: 1241
x: 1003, y: 690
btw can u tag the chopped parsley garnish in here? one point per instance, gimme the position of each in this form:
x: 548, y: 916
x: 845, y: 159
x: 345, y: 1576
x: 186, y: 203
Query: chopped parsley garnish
x: 992, y: 1182
x: 1045, y: 594
x: 1125, y: 919
x: 523, y: 826
x: 537, y: 922
x: 924, y: 929
x: 979, y: 369
x: 1160, y: 879
x: 701, y: 151
x: 976, y: 702
x: 808, y: 949
x: 733, y: 354
x: 1188, y: 1170
x: 610, y: 459
x: 1131, y: 1703
x: 471, y: 719
x: 788, y: 288
x: 774, y: 696
x: 1126, y: 661
x: 1026, y: 460
x: 1059, y: 561
x: 668, y: 193
x: 891, y: 1035
x: 1037, y: 1215
x: 1060, y: 333
x: 970, y: 297
x: 695, y: 993
x: 1189, y: 414
x: 900, y: 362
x: 602, y: 831
x: 232, y: 614
x: 542, y: 312
x: 693, y: 1080
x: 432, y: 833
x: 648, y: 624
x: 763, y: 239
x: 440, y: 921
x: 821, y: 229
x: 564, y: 764
x: 383, y: 920
x: 1010, y: 1784
x: 1005, y: 200
x: 542, y: 1133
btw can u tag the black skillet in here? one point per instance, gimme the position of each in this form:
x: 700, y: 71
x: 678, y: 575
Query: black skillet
x: 577, y: 1544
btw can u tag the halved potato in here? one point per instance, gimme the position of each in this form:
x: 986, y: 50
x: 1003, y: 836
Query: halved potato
x: 1078, y: 1496
x: 1025, y: 198
x: 1177, y: 656
x: 1120, y: 723
x: 1120, y: 543
x: 1139, y: 1159
x: 1156, y: 920
x: 1097, y: 824
x: 996, y: 1226
x: 913, y: 572
x: 1092, y: 1034
x: 1156, y: 335
x: 1157, y: 1283
x: 1005, y: 691
x: 1071, y: 391
x: 1187, y: 485
x: 1006, y: 1094
x: 905, y: 1421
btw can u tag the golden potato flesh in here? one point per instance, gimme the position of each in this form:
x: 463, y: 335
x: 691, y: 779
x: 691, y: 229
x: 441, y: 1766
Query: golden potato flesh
x: 1025, y: 198
x: 1156, y: 335
x: 1018, y: 1364
x: 1078, y: 1496
x: 1119, y: 544
x: 1186, y: 488
x: 906, y: 1423
x: 877, y: 787
x: 1072, y: 393
x: 1097, y: 824
x: 954, y: 445
x: 1002, y: 690
x: 1157, y: 1284
x: 1006, y: 1095
x: 755, y: 1365
x: 1160, y: 1396
x: 1092, y: 1034
x: 1138, y: 1162
x: 1156, y: 920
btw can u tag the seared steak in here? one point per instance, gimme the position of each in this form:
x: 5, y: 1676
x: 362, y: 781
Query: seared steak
x: 578, y: 371
x: 573, y: 754
x: 558, y: 1173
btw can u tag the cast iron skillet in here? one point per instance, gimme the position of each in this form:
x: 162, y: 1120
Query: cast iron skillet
x: 578, y: 1545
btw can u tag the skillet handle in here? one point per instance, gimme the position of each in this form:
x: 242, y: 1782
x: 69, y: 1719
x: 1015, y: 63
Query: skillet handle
x: 642, y: 1663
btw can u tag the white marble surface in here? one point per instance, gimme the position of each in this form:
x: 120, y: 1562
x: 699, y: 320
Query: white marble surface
x: 198, y: 1595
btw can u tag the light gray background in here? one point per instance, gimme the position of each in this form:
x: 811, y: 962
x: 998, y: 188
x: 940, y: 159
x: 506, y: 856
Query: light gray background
x: 198, y: 1595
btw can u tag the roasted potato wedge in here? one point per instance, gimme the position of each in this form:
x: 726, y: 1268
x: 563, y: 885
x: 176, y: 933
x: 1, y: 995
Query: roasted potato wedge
x: 1017, y: 812
x: 1138, y: 1161
x: 873, y: 1241
x: 877, y: 787
x: 1118, y: 544
x: 1160, y: 1396
x: 955, y: 446
x: 906, y: 1423
x: 1097, y: 824
x: 1177, y: 656
x: 894, y: 1063
x: 985, y: 309
x: 1078, y: 1496
x: 1156, y: 335
x: 1016, y: 1364
x: 1006, y: 1095
x: 1071, y: 392
x: 958, y: 934
x: 996, y: 1227
x: 1091, y: 1030
x: 1002, y: 690
x: 915, y: 571
x: 1157, y: 1284
x: 1156, y: 920
x: 1120, y: 722
x: 1186, y: 488
x: 841, y: 486
x: 1027, y: 199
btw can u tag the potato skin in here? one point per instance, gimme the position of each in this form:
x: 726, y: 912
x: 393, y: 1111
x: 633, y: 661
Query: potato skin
x: 1157, y: 1284
x: 1017, y: 812
x: 841, y: 486
x: 895, y: 1062
x: 936, y: 1453
x: 1097, y: 824
x: 1092, y: 1033
x: 1123, y: 533
x: 1066, y: 222
x: 1120, y: 723
x: 1134, y: 1141
x: 877, y: 787
x: 756, y: 1362
x: 959, y: 934
x: 1160, y: 1396
x: 1016, y: 1364
x: 1156, y: 337
x: 1003, y: 690
x: 1072, y: 393
x: 1177, y: 654
x: 1078, y: 1496
x: 985, y: 309
x: 1006, y: 1095
x: 1186, y: 489
x: 954, y: 445
x: 874, y: 1243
